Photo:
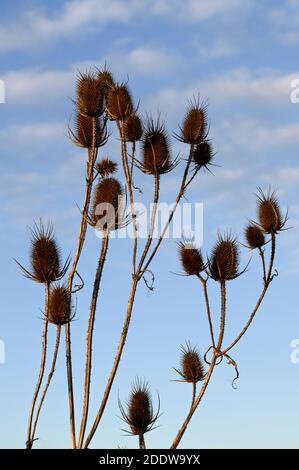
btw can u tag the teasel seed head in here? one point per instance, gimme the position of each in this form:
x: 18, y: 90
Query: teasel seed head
x: 191, y: 258
x: 192, y: 369
x: 106, y: 208
x: 105, y: 78
x: 45, y: 258
x: 59, y: 307
x: 106, y: 167
x: 254, y: 236
x: 139, y: 413
x: 83, y: 135
x: 194, y: 129
x: 132, y: 128
x: 156, y: 156
x: 270, y: 217
x: 90, y: 95
x: 224, y: 262
x: 119, y: 102
x: 202, y: 155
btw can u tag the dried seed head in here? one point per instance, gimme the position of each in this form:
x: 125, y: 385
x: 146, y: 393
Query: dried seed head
x: 202, y: 155
x: 105, y: 78
x: 254, y: 236
x: 59, y: 307
x: 191, y: 258
x: 106, y: 167
x: 156, y: 149
x: 45, y: 256
x: 85, y: 131
x: 119, y: 102
x: 139, y: 414
x: 106, y: 210
x: 132, y: 128
x: 224, y: 262
x: 192, y: 369
x: 194, y: 127
x: 90, y: 95
x: 269, y: 213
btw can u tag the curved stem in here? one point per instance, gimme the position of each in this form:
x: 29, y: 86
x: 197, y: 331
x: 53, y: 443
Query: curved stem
x: 92, y: 156
x: 264, y: 291
x: 48, y: 381
x: 208, y: 309
x: 223, y: 314
x: 89, y: 337
x: 29, y: 441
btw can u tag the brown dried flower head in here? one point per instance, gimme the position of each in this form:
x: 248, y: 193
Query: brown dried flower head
x: 107, y: 207
x: 202, y: 155
x: 192, y: 369
x: 59, y: 307
x: 156, y: 157
x: 191, y: 258
x: 106, y: 167
x: 269, y: 213
x: 119, y: 102
x: 45, y: 256
x: 132, y: 128
x: 224, y: 262
x: 90, y: 95
x: 105, y: 78
x: 254, y: 236
x: 88, y: 129
x: 139, y: 415
x: 194, y: 128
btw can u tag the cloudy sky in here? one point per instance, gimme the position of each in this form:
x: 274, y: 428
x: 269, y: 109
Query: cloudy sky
x: 240, y: 57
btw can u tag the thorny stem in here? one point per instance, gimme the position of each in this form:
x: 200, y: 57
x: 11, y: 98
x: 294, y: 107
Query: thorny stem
x: 218, y: 352
x: 170, y: 217
x: 135, y: 279
x: 92, y: 156
x: 51, y: 373
x: 141, y: 442
x: 89, y: 336
x: 198, y: 399
x: 266, y: 286
x: 205, y: 290
x: 29, y: 441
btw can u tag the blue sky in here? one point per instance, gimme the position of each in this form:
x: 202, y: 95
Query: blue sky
x: 240, y: 56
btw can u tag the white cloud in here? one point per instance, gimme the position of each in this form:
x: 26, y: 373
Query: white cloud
x: 32, y: 134
x: 151, y: 59
x: 284, y: 20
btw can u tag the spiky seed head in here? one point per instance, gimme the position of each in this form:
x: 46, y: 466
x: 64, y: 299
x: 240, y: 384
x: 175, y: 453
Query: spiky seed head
x: 254, y: 236
x: 59, y: 307
x: 191, y: 258
x: 83, y: 135
x: 192, y: 369
x: 106, y: 209
x: 106, y: 167
x: 90, y: 95
x: 139, y: 414
x: 105, y: 78
x: 224, y: 262
x: 132, y: 128
x: 156, y: 157
x: 119, y: 102
x: 194, y: 127
x: 202, y: 154
x: 269, y: 213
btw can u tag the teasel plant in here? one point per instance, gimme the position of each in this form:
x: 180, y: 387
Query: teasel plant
x: 155, y: 161
x: 139, y: 412
x: 46, y: 267
x: 223, y: 266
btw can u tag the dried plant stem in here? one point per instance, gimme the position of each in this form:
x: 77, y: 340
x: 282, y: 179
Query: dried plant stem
x: 51, y: 373
x: 135, y: 279
x: 141, y: 442
x: 208, y: 309
x: 89, y: 336
x: 198, y: 399
x: 264, y: 291
x: 29, y: 441
x: 92, y: 156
